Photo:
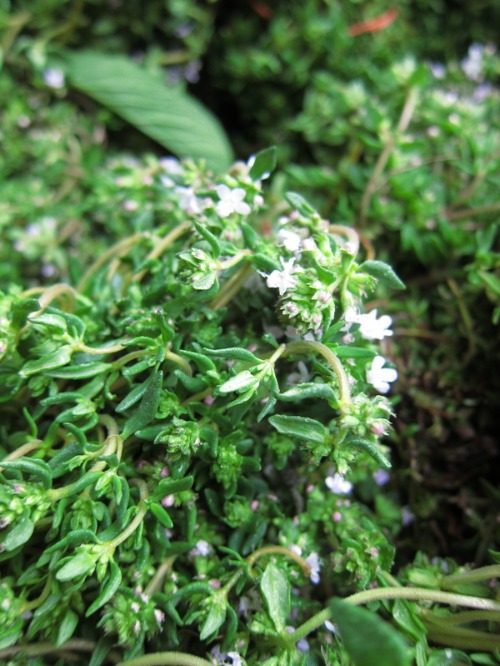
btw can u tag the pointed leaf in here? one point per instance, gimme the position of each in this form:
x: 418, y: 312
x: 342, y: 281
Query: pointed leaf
x: 300, y: 426
x: 276, y: 590
x: 168, y: 115
x: 368, y: 640
x: 264, y: 163
x: 383, y: 272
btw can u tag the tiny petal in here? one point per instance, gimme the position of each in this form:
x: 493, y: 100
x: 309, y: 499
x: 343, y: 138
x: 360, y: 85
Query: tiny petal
x: 338, y: 485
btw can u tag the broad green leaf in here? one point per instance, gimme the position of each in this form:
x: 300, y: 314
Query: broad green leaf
x: 300, y: 426
x: 19, y: 534
x: 264, y: 163
x: 55, y: 323
x: 170, y: 116
x: 368, y: 640
x: 276, y: 591
x: 383, y: 272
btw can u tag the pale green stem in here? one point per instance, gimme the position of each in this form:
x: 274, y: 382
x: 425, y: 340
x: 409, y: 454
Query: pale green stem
x: 118, y: 249
x: 483, y: 573
x: 31, y: 605
x: 279, y: 550
x: 305, y: 346
x: 460, y: 618
x: 230, y: 288
x: 229, y: 263
x: 39, y: 649
x: 162, y: 245
x: 349, y: 233
x: 81, y: 347
x: 142, y: 510
x: 23, y: 450
x: 155, y: 582
x: 166, y: 659
x: 175, y: 358
x: 407, y: 593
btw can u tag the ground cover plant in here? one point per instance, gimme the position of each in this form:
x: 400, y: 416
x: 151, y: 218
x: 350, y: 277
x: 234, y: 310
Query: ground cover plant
x: 199, y: 365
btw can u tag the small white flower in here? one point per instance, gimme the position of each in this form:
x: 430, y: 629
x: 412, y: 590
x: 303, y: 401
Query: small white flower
x: 284, y: 279
x: 330, y: 626
x: 202, y: 548
x: 314, y: 564
x: 381, y: 477
x: 370, y: 327
x: 338, y: 485
x: 159, y: 616
x: 302, y: 645
x: 227, y: 658
x: 54, y: 78
x: 289, y: 239
x: 171, y: 165
x: 473, y: 63
x: 231, y: 201
x: 379, y: 377
x: 188, y: 200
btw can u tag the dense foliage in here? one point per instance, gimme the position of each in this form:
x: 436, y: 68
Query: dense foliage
x: 195, y: 361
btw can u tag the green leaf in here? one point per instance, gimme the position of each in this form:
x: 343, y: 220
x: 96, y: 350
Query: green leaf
x: 383, y: 272
x: 148, y: 406
x: 264, y: 163
x: 243, y: 380
x: 80, y: 565
x: 20, y: 533
x: 53, y: 360
x: 308, y: 390
x: 67, y: 627
x: 82, y: 371
x: 300, y: 426
x: 215, y: 619
x: 55, y: 323
x: 372, y: 449
x: 171, y: 486
x: 37, y: 468
x: 276, y: 591
x: 300, y: 204
x: 368, y: 640
x: 159, y: 512
x: 346, y: 351
x: 209, y: 237
x: 113, y: 580
x: 170, y: 116
x: 234, y: 354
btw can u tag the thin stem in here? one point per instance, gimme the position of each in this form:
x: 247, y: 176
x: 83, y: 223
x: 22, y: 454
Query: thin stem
x: 166, y: 659
x: 161, y: 246
x: 230, y: 288
x: 142, y: 510
x: 175, y: 358
x: 407, y: 593
x: 483, y: 573
x: 98, y: 351
x: 466, y: 639
x: 472, y: 212
x: 304, y: 346
x: 23, y: 450
x: 402, y: 125
x: 39, y: 649
x: 460, y: 618
x: 349, y: 233
x: 31, y: 605
x: 155, y: 582
x: 279, y: 550
x: 118, y: 249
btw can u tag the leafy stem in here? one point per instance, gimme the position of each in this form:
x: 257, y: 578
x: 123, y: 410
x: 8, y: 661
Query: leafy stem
x: 407, y: 593
x: 134, y: 524
x: 166, y: 659
x: 304, y: 346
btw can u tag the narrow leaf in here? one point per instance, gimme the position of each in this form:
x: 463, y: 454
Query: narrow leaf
x: 300, y: 426
x: 109, y: 588
x: 37, y: 468
x: 170, y: 116
x: 234, y: 354
x: 146, y: 411
x: 55, y: 359
x: 299, y: 203
x: 20, y: 533
x: 383, y: 272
